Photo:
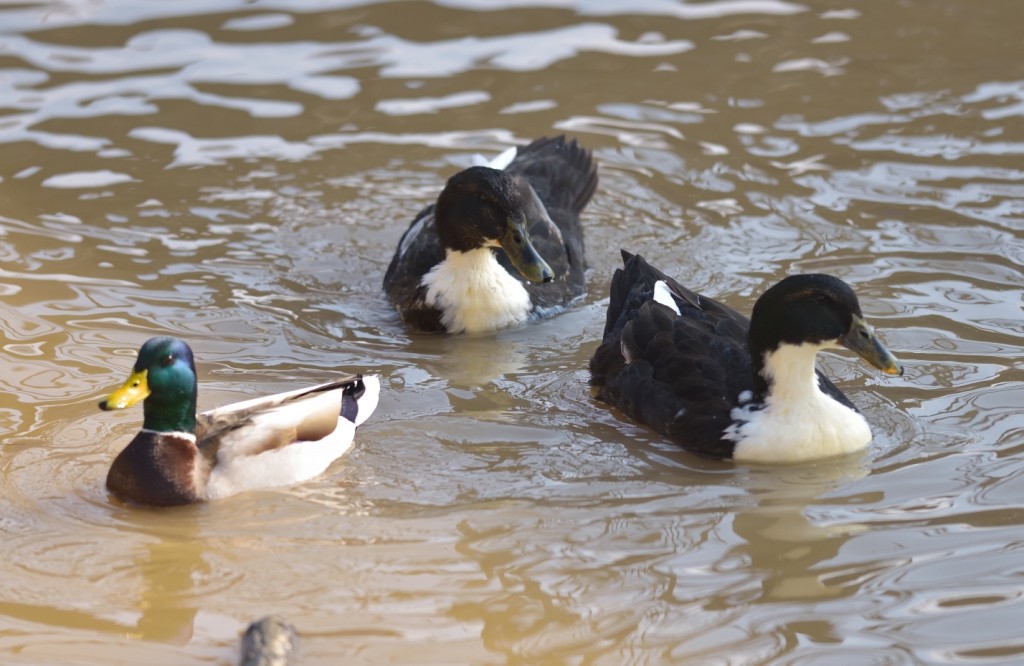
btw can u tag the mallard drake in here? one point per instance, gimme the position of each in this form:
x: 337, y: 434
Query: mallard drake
x: 502, y: 243
x: 180, y: 457
x: 720, y: 385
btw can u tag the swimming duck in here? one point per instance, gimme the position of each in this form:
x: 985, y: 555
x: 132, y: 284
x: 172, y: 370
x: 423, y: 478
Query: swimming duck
x: 720, y: 385
x: 502, y: 243
x: 180, y: 457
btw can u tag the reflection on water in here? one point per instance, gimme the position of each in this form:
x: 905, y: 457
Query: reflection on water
x: 238, y: 174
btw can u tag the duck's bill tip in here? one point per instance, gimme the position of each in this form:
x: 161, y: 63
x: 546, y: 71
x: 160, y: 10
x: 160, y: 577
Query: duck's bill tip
x: 532, y: 267
x: 895, y: 368
x: 862, y: 340
x: 133, y: 391
x: 112, y: 403
x: 523, y: 255
x: 880, y: 358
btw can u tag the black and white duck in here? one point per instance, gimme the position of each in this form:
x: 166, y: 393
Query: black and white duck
x: 719, y: 385
x: 502, y: 244
x: 180, y: 457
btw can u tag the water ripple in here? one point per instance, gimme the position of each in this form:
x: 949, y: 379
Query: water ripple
x: 238, y: 174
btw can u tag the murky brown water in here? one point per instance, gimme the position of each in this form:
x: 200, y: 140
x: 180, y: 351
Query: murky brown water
x: 238, y: 173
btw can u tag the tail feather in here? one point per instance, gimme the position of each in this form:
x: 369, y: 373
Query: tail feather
x: 563, y: 173
x: 364, y: 403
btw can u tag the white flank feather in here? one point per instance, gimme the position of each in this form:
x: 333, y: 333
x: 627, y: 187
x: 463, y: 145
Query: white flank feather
x: 474, y: 293
x: 291, y: 464
x: 797, y: 421
x: 236, y: 470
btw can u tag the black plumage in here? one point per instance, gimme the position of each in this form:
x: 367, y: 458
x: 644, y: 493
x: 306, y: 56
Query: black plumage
x: 684, y: 374
x: 547, y: 185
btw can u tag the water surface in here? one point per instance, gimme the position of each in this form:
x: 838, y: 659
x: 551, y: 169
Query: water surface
x: 239, y: 173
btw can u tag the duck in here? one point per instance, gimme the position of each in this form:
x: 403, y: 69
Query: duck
x: 502, y: 244
x: 269, y: 641
x: 180, y: 457
x: 723, y: 386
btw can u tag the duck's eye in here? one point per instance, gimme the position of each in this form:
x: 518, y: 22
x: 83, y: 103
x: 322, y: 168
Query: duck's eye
x: 167, y: 360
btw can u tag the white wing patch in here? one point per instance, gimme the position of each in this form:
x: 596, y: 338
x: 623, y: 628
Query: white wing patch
x: 504, y: 159
x: 500, y: 162
x: 663, y: 295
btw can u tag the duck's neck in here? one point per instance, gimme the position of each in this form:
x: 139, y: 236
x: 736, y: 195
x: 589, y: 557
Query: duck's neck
x: 474, y: 293
x: 787, y: 374
x: 171, y: 414
x: 790, y: 418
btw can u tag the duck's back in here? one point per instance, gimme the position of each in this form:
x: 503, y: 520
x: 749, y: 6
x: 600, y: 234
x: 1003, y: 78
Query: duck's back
x: 564, y: 177
x: 285, y: 438
x: 685, y: 372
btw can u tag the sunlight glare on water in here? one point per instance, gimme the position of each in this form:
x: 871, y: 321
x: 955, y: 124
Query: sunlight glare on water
x: 238, y: 174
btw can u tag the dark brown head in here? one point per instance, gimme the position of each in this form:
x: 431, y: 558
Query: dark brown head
x: 482, y: 207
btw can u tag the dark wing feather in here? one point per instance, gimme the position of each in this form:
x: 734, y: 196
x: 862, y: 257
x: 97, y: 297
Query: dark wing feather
x: 563, y: 176
x: 418, y: 252
x: 685, y: 372
x: 830, y: 389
